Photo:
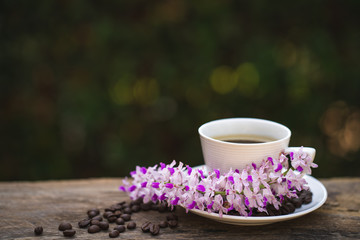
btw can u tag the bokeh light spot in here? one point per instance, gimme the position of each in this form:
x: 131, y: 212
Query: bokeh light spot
x: 248, y: 79
x: 146, y: 91
x: 121, y: 93
x: 222, y: 80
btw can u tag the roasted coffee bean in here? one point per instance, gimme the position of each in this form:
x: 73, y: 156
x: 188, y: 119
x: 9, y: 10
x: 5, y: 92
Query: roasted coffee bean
x: 114, y: 234
x: 104, y: 225
x: 94, y: 210
x: 270, y: 212
x: 173, y: 223
x: 121, y: 203
x: 146, y: 226
x: 163, y: 224
x: 110, y: 209
x: 95, y: 222
x: 171, y: 217
x: 297, y: 202
x: 154, y: 229
x: 275, y: 211
x: 98, y: 217
x: 127, y: 210
x: 94, y: 229
x: 135, y: 208
x: 117, y: 207
x: 120, y: 221
x: 92, y: 214
x: 69, y: 232
x: 126, y: 217
x: 291, y: 207
x: 117, y: 213
x: 131, y: 225
x: 112, y: 219
x: 84, y: 223
x: 126, y: 205
x: 38, y: 230
x: 284, y: 210
x: 308, y: 197
x: 120, y: 228
x: 145, y: 206
x: 64, y: 226
x: 107, y: 214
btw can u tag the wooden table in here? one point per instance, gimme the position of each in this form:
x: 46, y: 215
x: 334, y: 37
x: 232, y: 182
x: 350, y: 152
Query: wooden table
x: 24, y: 205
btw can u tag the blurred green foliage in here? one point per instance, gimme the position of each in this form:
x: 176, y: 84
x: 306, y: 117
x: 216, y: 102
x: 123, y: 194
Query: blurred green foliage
x: 94, y: 88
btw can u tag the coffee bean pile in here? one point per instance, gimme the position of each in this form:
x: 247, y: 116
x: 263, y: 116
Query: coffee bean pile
x: 287, y: 206
x: 154, y: 228
x: 119, y: 214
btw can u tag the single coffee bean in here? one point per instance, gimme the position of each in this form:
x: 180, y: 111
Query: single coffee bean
x: 291, y: 207
x: 114, y: 234
x: 84, y: 223
x: 131, y: 225
x: 92, y: 214
x: 307, y: 197
x: 163, y: 224
x: 94, y: 210
x: 135, y: 208
x: 69, y: 232
x: 94, y: 222
x: 112, y: 218
x: 284, y: 209
x: 108, y: 209
x: 104, y: 225
x: 270, y: 212
x: 117, y: 213
x: 98, y: 217
x: 120, y: 221
x: 38, y: 230
x: 64, y: 226
x: 107, y: 214
x: 171, y: 217
x: 154, y: 229
x: 121, y: 203
x: 126, y: 217
x: 146, y: 226
x: 120, y: 228
x: 126, y: 205
x: 173, y: 223
x: 127, y: 210
x: 94, y: 229
x: 117, y: 207
x: 297, y: 202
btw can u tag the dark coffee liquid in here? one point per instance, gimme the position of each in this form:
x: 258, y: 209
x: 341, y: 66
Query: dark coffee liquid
x: 241, y: 141
x: 244, y: 139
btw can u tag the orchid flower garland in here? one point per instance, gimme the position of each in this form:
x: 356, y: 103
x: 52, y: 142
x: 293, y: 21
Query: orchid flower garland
x: 242, y: 191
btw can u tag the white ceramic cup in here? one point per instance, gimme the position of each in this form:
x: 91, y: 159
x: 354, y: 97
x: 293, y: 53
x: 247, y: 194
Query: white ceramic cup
x: 224, y: 155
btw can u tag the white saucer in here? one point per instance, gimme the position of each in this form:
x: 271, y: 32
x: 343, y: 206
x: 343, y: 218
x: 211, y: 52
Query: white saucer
x: 319, y: 198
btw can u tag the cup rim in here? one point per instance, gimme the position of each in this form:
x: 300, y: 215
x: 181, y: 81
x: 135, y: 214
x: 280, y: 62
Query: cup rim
x: 288, y: 134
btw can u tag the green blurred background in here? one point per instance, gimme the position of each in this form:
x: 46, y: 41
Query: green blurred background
x: 94, y: 88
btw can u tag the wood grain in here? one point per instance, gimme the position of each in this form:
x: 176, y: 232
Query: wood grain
x: 24, y: 205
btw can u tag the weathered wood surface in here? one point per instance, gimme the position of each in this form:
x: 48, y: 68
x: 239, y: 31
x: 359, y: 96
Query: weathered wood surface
x: 24, y: 205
